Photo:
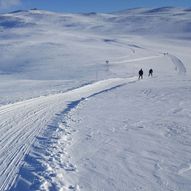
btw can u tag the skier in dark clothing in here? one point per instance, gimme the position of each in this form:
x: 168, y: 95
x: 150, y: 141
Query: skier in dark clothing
x: 151, y: 72
x: 141, y: 74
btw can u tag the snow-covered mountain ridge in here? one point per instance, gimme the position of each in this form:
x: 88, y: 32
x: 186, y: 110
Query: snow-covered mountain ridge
x: 163, y: 20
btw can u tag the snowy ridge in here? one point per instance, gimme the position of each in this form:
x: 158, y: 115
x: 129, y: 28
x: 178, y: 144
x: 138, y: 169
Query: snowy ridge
x: 132, y: 21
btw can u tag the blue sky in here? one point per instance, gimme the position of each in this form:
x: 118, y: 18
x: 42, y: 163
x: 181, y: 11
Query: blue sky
x: 88, y: 5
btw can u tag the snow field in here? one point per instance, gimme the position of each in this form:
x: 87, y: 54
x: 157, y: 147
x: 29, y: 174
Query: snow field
x: 70, y: 121
x: 144, y: 128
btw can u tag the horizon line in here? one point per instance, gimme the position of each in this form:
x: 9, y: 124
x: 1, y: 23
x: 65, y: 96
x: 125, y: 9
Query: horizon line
x: 120, y: 10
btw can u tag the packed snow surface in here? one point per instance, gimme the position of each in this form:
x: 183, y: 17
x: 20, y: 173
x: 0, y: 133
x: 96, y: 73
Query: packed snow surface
x: 70, y: 120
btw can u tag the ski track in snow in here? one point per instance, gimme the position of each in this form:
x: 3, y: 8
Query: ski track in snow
x: 22, y: 122
x: 49, y: 158
x: 179, y: 65
x: 136, y: 59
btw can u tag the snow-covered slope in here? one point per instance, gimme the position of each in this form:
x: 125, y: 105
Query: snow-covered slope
x: 41, y: 45
x: 168, y: 21
x: 72, y: 121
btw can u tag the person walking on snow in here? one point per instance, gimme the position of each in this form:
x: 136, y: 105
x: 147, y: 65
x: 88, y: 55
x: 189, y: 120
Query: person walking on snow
x: 151, y: 72
x: 141, y: 74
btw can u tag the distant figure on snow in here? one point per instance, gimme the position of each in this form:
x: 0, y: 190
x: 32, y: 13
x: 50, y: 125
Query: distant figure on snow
x: 141, y: 74
x: 165, y: 53
x: 151, y: 72
x: 107, y: 65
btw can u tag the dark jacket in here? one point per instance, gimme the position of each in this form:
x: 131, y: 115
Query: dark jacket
x: 141, y: 72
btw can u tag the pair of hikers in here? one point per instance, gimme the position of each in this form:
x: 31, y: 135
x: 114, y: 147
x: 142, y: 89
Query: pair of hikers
x: 141, y: 73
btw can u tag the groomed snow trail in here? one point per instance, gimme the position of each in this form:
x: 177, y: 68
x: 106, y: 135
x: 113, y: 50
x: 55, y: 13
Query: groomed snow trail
x: 179, y: 65
x: 22, y: 122
x: 136, y: 59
